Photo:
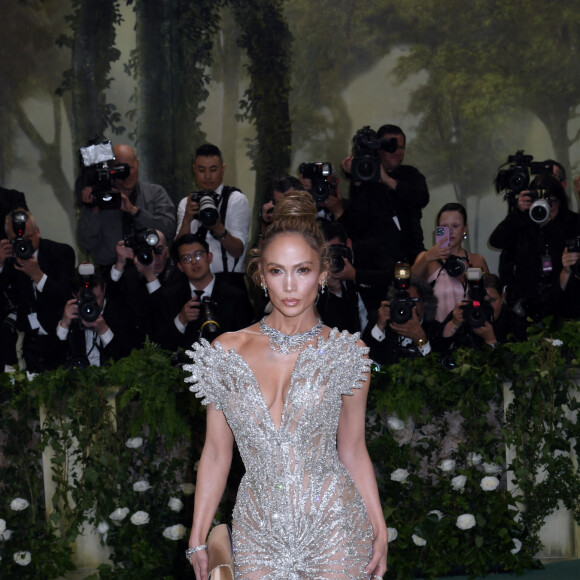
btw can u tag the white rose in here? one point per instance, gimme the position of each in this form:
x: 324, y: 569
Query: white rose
x: 491, y: 468
x: 141, y: 486
x: 489, y: 483
x: 465, y: 521
x: 134, y: 443
x: 175, y: 504
x: 418, y: 540
x: 22, y: 558
x: 119, y: 514
x: 187, y: 488
x: 458, y: 482
x: 176, y: 532
x: 473, y: 458
x: 399, y: 475
x: 18, y: 505
x: 447, y: 465
x: 4, y: 537
x: 518, y: 546
x: 436, y: 513
x: 392, y: 534
x: 395, y: 424
x: 2, y: 526
x: 140, y: 518
x: 103, y: 528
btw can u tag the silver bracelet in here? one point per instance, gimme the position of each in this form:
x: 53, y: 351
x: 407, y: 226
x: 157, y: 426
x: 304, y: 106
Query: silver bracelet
x: 191, y: 551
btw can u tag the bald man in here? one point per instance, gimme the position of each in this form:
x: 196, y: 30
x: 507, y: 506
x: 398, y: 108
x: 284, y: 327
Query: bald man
x: 143, y: 205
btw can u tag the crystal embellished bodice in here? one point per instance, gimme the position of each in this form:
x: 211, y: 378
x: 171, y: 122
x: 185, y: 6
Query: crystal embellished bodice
x: 298, y: 513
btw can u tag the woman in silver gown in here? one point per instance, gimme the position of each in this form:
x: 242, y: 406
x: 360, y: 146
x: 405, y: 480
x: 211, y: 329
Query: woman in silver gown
x: 292, y: 393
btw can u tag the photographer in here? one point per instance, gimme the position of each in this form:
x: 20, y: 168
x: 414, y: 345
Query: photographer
x: 199, y: 305
x: 35, y: 274
x: 279, y: 188
x: 142, y: 206
x: 94, y: 327
x: 535, y: 248
x: 321, y: 182
x: 229, y: 210
x: 386, y: 205
x: 359, y: 277
x: 411, y: 331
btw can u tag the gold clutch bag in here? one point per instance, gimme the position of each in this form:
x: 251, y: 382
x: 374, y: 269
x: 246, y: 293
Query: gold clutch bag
x: 220, y: 553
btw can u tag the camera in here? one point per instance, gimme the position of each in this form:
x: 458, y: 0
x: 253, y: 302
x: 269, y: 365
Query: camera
x: 516, y: 178
x: 89, y: 309
x: 541, y: 204
x: 21, y: 247
x: 209, y: 328
x: 574, y: 247
x: 455, y: 266
x: 366, y: 165
x: 208, y: 214
x: 401, y: 305
x: 478, y: 310
x: 100, y: 172
x: 143, y: 243
x: 318, y: 173
x: 339, y: 251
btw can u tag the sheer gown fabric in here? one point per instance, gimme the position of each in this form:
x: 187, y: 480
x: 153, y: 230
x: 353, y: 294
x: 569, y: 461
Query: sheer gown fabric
x: 298, y: 514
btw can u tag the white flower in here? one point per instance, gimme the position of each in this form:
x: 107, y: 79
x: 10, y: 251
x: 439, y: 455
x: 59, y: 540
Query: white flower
x: 473, y: 458
x: 175, y: 504
x: 458, y: 482
x: 140, y: 518
x: 399, y: 475
x: 418, y: 540
x: 392, y: 534
x: 489, y: 483
x: 187, y: 488
x: 134, y: 442
x: 22, y: 558
x: 103, y: 528
x: 196, y: 465
x: 554, y: 341
x: 119, y: 514
x: 175, y: 532
x: 436, y: 513
x: 465, y: 521
x: 491, y: 468
x: 18, y: 505
x: 518, y: 546
x: 2, y: 526
x: 395, y: 424
x: 141, y: 486
x: 447, y: 465
x: 5, y: 536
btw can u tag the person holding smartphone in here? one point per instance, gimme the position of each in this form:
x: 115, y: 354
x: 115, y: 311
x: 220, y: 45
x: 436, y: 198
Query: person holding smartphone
x: 444, y: 265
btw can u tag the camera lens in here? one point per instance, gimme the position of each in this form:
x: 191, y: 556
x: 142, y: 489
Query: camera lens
x: 23, y: 249
x: 540, y: 211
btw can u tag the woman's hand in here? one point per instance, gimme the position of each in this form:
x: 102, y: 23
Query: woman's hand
x: 438, y: 252
x: 200, y: 563
x: 378, y: 564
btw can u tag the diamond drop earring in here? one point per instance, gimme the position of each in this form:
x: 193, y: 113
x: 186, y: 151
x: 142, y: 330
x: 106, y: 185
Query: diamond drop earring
x: 264, y: 288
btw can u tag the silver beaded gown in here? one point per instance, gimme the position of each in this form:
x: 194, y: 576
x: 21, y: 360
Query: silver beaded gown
x: 298, y: 514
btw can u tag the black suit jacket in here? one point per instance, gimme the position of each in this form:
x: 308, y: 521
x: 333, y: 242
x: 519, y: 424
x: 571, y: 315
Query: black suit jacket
x: 233, y: 311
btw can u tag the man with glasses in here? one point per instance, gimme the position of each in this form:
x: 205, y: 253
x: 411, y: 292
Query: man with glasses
x: 199, y: 302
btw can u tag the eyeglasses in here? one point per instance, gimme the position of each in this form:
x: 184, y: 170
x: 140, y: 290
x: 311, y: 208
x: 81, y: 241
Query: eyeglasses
x: 187, y: 258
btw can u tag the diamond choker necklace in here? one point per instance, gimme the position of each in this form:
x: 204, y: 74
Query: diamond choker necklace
x: 287, y: 343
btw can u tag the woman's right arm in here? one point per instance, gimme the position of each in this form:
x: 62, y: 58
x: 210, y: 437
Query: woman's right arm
x: 212, y: 475
x: 425, y: 261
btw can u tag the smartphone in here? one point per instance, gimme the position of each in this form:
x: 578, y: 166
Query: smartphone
x: 442, y: 232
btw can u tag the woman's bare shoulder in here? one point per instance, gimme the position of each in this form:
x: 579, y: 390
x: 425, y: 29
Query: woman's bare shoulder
x: 238, y: 339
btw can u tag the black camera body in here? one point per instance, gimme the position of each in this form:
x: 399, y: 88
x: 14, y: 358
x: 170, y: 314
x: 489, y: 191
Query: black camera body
x: 574, y: 247
x: 208, y: 213
x: 100, y: 172
x: 366, y: 165
x: 319, y: 173
x: 143, y: 243
x: 455, y: 266
x: 21, y: 247
x: 210, y: 327
x: 339, y: 251
x: 401, y: 307
x: 89, y: 309
x: 478, y: 310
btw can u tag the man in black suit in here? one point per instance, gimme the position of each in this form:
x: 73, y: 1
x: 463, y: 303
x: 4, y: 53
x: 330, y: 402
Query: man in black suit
x: 201, y: 305
x: 36, y: 274
x: 359, y: 279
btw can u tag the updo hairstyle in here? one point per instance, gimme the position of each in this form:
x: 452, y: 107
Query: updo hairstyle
x: 295, y: 213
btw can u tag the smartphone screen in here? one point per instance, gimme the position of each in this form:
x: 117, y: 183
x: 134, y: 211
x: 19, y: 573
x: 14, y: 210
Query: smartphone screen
x: 442, y: 232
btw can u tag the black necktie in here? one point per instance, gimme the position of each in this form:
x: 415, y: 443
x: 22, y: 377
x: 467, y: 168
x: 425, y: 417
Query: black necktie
x: 199, y: 294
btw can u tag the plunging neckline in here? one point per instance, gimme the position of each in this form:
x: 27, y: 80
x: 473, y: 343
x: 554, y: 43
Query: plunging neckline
x: 256, y: 384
